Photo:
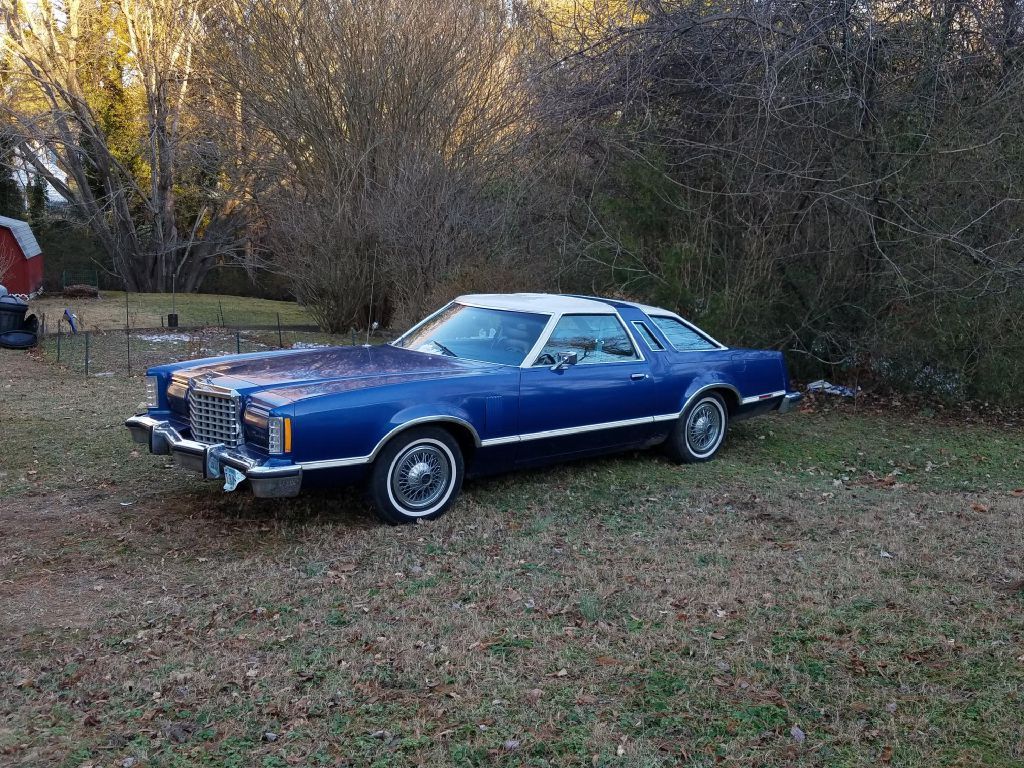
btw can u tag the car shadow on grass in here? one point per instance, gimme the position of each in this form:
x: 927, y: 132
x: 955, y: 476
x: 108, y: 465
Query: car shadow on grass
x: 347, y: 506
x: 341, y: 507
x: 572, y: 485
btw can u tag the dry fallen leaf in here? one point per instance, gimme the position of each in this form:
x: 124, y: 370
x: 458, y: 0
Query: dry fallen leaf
x: 979, y: 507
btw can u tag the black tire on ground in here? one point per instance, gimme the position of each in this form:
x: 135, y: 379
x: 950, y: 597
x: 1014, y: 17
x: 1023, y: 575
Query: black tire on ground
x: 417, y: 476
x: 700, y: 431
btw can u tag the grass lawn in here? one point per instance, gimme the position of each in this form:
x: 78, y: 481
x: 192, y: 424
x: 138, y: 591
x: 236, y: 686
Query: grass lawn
x: 145, y: 310
x: 840, y: 588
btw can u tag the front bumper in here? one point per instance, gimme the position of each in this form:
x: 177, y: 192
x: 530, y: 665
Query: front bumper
x: 789, y: 402
x: 213, y: 461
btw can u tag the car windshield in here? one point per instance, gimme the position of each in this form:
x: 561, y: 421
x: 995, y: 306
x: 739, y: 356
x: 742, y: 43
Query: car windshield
x: 475, y: 333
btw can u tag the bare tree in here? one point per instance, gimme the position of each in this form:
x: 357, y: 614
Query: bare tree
x: 72, y: 96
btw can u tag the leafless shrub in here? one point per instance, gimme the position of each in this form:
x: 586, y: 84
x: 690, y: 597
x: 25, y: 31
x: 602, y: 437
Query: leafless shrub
x: 387, y: 126
x: 838, y: 177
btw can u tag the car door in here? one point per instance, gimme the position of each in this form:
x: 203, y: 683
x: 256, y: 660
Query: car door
x: 601, y: 403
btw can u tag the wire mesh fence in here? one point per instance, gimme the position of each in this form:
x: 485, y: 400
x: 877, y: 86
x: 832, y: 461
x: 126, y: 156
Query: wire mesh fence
x: 130, y: 352
x: 84, y: 276
x: 122, y: 334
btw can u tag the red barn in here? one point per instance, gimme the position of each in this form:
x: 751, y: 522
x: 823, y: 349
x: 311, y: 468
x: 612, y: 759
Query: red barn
x: 21, y: 258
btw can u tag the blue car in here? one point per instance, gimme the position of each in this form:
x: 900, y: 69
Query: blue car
x: 486, y: 384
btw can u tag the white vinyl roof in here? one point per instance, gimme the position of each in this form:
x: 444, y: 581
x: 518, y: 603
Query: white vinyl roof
x: 545, y: 303
x: 649, y: 310
x: 23, y: 234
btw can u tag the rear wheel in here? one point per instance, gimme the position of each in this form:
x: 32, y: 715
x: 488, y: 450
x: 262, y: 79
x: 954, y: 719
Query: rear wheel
x: 700, y: 431
x: 417, y: 476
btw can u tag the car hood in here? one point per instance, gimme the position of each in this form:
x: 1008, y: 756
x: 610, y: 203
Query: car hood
x: 280, y: 378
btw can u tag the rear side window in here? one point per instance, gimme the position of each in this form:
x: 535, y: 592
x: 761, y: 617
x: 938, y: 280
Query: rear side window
x: 649, y: 337
x: 682, y: 336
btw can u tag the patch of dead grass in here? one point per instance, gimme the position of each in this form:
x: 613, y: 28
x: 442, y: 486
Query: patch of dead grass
x: 150, y: 310
x: 614, y: 612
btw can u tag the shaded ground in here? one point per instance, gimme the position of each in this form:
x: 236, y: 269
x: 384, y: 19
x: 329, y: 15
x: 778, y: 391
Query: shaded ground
x: 839, y: 589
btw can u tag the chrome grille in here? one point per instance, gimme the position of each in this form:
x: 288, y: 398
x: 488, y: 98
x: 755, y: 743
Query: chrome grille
x: 214, y: 417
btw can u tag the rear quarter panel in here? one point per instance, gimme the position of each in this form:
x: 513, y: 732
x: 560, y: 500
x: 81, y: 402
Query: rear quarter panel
x: 763, y: 371
x: 741, y: 373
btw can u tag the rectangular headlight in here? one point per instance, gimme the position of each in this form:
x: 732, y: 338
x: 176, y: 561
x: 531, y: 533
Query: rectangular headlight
x: 152, y: 392
x: 276, y: 434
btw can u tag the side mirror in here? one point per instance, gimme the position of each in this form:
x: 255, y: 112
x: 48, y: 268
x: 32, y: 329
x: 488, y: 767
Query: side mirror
x: 565, y: 359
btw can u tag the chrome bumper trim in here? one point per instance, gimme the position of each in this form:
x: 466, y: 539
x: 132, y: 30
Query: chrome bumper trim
x: 210, y: 460
x: 788, y: 403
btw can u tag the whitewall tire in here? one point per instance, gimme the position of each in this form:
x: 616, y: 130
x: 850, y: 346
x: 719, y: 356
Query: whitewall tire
x: 700, y: 431
x: 417, y: 476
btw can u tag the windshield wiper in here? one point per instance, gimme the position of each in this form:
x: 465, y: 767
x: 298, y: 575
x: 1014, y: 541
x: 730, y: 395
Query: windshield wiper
x: 443, y: 348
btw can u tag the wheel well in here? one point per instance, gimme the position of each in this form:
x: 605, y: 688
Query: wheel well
x: 462, y: 434
x: 732, y: 400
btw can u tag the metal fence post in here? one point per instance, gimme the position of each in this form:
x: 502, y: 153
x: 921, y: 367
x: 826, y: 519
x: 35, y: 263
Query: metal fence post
x: 238, y: 342
x: 60, y: 333
x: 86, y: 353
x: 280, y: 339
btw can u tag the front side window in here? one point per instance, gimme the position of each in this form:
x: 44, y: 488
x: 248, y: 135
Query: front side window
x: 594, y: 339
x: 681, y: 336
x: 476, y: 333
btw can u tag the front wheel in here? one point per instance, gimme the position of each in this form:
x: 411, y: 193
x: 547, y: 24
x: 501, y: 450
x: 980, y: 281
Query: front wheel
x: 417, y: 476
x: 700, y: 431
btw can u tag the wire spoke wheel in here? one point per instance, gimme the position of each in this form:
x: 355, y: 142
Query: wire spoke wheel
x: 417, y: 476
x: 421, y: 475
x: 705, y: 427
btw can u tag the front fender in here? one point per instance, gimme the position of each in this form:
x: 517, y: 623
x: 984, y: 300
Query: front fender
x: 352, y: 428
x: 439, y: 413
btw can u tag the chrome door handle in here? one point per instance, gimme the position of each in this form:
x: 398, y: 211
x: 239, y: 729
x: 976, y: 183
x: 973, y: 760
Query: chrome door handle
x: 638, y: 376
